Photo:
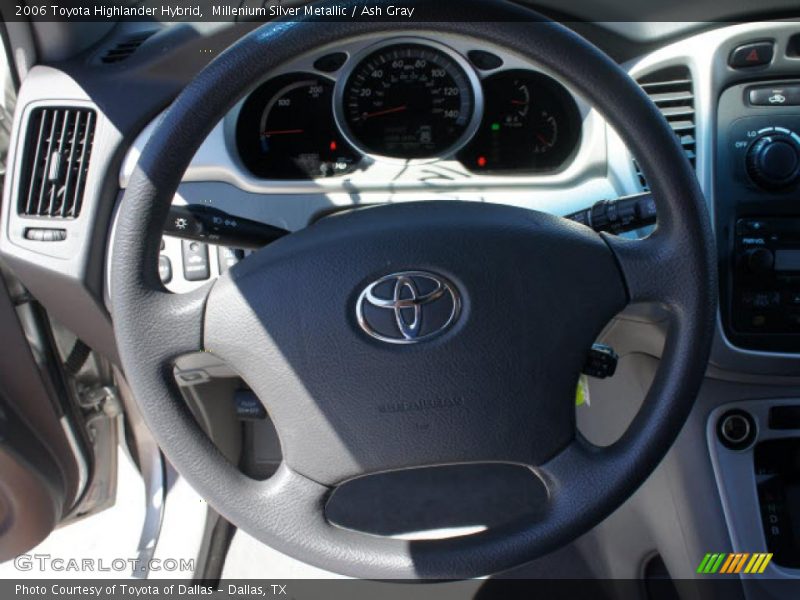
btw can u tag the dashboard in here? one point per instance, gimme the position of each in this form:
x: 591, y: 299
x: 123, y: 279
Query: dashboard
x: 410, y: 112
x: 406, y: 118
x: 403, y: 100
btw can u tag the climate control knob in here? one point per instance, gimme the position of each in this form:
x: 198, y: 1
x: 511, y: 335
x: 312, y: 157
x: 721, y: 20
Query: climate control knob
x: 773, y: 160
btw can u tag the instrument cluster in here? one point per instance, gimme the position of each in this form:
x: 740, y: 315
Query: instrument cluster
x: 407, y: 100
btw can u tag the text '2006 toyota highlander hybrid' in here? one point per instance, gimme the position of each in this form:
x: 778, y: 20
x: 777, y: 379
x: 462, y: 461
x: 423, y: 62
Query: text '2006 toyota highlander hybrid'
x: 503, y: 296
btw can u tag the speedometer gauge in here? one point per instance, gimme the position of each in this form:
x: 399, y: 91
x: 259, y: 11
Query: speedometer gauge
x: 286, y: 130
x: 409, y: 101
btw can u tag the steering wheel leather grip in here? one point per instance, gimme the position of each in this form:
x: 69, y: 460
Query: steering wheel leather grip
x: 536, y: 292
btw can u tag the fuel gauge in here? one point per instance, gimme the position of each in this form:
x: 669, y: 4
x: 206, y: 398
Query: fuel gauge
x: 530, y: 124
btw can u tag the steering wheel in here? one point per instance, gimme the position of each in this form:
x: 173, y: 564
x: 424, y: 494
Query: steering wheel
x: 512, y: 299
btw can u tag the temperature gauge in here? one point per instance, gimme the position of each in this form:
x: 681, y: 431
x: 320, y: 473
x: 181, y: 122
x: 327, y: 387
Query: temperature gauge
x: 530, y: 124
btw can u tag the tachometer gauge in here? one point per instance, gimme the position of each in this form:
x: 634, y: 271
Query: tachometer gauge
x: 530, y: 124
x: 286, y: 130
x: 409, y: 101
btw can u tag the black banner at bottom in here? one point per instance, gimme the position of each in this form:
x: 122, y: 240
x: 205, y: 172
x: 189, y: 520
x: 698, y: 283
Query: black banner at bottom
x: 348, y: 589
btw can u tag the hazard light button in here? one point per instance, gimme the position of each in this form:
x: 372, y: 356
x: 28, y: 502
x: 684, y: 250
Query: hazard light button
x: 752, y: 55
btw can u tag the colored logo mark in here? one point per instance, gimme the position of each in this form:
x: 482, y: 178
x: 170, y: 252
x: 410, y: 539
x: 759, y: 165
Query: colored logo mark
x: 736, y: 562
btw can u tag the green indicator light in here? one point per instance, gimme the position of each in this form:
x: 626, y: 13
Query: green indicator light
x: 495, y: 126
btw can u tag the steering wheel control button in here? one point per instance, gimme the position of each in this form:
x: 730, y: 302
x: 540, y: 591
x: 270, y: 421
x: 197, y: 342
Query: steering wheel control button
x: 752, y: 55
x: 408, y: 307
x: 788, y: 95
x: 736, y: 430
x: 164, y: 269
x: 200, y: 222
x: 601, y: 362
x: 618, y: 216
x: 195, y: 260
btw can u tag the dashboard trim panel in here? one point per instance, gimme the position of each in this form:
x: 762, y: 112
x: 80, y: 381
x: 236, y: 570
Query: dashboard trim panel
x: 219, y: 160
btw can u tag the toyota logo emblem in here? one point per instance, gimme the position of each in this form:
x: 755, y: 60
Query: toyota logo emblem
x: 408, y: 307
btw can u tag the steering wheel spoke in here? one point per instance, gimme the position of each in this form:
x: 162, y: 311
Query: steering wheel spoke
x: 177, y: 321
x: 649, y: 266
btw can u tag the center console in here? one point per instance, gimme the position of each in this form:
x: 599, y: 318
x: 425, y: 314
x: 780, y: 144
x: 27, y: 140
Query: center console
x: 755, y: 444
x: 757, y: 214
x: 755, y: 450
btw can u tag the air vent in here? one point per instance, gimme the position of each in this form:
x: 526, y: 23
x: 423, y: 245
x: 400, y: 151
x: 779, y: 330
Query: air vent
x: 125, y: 48
x: 672, y: 92
x: 57, y: 150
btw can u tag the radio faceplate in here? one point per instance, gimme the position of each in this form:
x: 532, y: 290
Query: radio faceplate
x: 757, y: 220
x: 766, y: 276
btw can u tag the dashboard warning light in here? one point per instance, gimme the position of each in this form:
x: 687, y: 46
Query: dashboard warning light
x: 481, y: 161
x: 333, y: 146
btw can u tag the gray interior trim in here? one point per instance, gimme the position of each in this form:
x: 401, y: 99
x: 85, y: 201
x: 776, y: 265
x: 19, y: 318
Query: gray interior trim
x: 151, y: 465
x: 734, y: 471
x: 217, y: 158
x: 66, y: 277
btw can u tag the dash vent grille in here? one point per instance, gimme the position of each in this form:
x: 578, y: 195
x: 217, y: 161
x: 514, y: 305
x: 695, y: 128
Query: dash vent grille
x: 125, y: 48
x: 58, y: 147
x: 672, y: 91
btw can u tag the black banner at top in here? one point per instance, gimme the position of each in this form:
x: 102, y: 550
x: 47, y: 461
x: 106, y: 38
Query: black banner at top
x: 411, y: 11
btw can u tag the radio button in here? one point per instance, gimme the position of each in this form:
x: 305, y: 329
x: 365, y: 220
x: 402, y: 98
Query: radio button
x: 760, y: 260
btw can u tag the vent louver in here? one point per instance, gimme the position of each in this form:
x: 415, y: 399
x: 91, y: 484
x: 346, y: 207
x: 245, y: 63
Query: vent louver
x: 671, y: 90
x: 125, y: 48
x: 57, y: 151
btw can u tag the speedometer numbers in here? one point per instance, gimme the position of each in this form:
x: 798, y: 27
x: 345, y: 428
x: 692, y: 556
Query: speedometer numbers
x: 408, y: 101
x: 530, y: 124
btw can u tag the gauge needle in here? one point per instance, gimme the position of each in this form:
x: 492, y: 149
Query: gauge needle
x: 281, y: 131
x: 519, y: 102
x: 542, y: 139
x: 385, y: 111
